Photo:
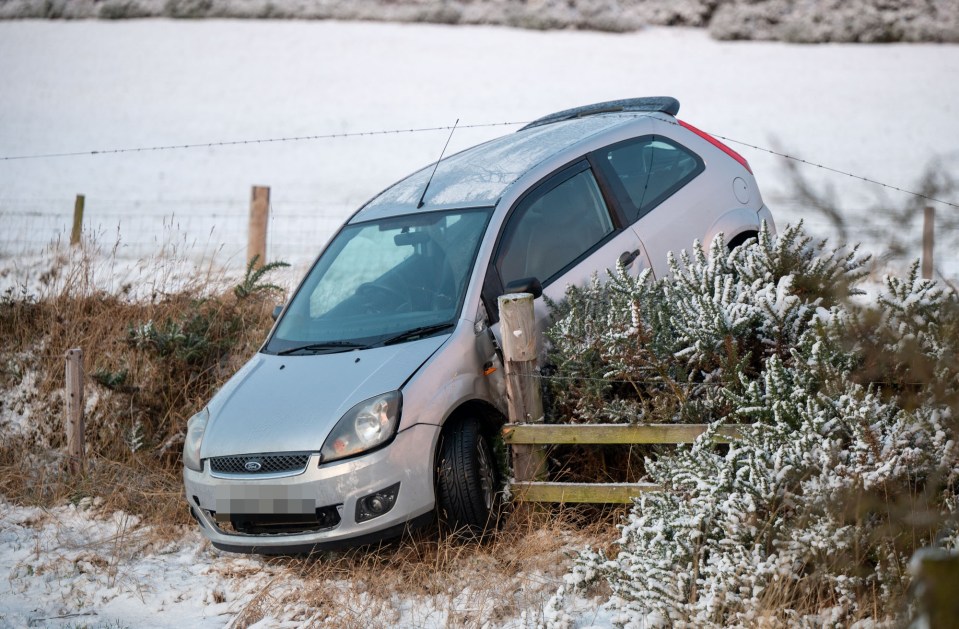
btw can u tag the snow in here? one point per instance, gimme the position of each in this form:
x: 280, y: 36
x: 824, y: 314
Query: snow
x: 881, y: 111
x: 76, y: 566
x: 63, y: 567
x: 16, y: 404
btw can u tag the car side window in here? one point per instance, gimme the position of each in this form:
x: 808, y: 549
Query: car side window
x: 552, y: 228
x: 651, y: 169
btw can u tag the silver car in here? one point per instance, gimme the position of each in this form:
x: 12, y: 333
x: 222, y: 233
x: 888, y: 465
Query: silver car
x: 374, y: 404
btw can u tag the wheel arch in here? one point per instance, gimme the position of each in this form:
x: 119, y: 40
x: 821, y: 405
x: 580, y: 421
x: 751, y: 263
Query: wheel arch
x: 740, y: 238
x: 489, y: 417
x: 491, y: 422
x: 733, y: 224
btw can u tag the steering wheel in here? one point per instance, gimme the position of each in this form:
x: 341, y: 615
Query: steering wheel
x: 381, y: 297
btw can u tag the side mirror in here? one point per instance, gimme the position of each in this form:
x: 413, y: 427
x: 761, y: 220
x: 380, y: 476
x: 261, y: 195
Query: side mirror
x: 276, y: 312
x: 525, y: 285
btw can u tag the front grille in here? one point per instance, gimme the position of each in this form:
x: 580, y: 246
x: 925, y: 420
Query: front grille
x: 289, y: 462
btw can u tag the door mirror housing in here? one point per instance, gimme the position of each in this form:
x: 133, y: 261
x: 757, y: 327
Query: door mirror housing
x: 276, y: 311
x: 525, y: 285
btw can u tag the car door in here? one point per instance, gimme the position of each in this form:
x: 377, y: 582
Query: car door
x: 656, y: 181
x: 562, y: 232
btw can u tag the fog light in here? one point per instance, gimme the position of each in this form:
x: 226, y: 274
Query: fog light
x: 375, y: 505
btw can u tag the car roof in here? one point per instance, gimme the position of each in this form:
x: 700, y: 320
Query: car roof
x: 478, y: 176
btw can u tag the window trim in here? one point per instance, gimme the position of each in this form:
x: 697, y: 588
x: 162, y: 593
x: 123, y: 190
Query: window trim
x: 598, y: 158
x: 493, y: 284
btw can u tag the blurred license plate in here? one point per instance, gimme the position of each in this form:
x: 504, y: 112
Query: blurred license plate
x: 263, y: 500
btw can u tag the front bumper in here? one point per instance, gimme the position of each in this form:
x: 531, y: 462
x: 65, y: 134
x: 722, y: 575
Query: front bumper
x: 333, y: 489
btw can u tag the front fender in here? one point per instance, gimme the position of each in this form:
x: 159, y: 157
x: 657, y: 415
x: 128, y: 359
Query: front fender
x: 454, y: 375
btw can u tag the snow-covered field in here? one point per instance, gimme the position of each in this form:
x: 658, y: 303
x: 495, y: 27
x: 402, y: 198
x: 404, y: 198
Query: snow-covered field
x: 882, y: 112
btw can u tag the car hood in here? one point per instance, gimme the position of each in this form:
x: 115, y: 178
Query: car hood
x: 291, y: 403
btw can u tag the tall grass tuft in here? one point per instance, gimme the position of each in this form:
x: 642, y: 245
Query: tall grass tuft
x: 152, y: 358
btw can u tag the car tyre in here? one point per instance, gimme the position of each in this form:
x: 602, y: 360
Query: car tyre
x: 467, y: 480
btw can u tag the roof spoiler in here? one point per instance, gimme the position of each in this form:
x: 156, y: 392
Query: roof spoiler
x: 664, y: 104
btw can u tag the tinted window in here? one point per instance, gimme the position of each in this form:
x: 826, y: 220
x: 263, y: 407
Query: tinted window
x: 552, y: 228
x: 651, y: 169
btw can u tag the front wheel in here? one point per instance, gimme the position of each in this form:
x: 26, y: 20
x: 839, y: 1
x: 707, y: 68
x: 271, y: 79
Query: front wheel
x: 466, y: 485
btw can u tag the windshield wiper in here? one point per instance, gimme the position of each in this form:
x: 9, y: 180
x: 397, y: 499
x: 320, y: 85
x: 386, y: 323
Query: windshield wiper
x: 423, y: 330
x: 334, y: 346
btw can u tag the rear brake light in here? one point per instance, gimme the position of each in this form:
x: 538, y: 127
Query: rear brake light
x: 722, y: 147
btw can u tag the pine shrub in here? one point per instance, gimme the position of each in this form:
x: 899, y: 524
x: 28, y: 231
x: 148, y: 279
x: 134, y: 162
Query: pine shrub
x: 848, y: 460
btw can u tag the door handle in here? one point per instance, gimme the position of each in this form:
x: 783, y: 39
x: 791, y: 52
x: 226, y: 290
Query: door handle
x: 626, y: 258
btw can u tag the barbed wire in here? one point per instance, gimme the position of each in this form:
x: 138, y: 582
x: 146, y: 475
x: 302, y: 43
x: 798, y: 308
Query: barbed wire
x: 839, y: 172
x: 185, y: 222
x: 327, y: 136
x: 670, y: 384
x: 296, y: 138
x: 157, y: 201
x: 824, y: 167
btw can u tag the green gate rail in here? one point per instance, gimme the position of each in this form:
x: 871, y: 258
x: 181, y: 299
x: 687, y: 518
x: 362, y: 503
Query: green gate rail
x: 526, y: 490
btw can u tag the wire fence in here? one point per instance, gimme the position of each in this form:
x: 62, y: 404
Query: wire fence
x: 216, y: 229
x: 383, y: 132
x: 194, y: 229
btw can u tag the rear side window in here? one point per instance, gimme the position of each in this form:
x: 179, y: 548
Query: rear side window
x: 553, y: 228
x: 650, y: 170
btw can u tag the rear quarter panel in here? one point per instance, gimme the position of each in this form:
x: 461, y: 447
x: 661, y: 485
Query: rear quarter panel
x: 702, y: 208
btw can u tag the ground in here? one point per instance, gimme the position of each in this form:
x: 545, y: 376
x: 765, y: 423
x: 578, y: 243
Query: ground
x: 881, y: 112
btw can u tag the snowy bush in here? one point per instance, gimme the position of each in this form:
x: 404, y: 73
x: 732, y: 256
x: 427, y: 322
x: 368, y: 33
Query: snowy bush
x: 789, y: 20
x: 848, y: 459
x: 621, y: 346
x: 814, y: 21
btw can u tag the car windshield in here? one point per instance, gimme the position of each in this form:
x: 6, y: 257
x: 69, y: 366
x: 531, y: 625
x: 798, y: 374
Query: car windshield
x: 384, y: 281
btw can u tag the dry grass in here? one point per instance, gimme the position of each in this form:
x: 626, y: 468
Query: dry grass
x: 154, y: 382
x: 788, y: 600
x: 427, y: 578
x: 152, y: 357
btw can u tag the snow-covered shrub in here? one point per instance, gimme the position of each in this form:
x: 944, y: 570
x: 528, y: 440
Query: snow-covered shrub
x: 814, y: 21
x: 620, y: 347
x: 789, y: 20
x: 848, y: 460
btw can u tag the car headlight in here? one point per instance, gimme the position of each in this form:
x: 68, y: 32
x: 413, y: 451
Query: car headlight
x: 369, y: 424
x: 194, y: 437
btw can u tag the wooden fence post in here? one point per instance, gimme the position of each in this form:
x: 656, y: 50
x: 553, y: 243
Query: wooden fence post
x: 77, y: 220
x: 928, y: 236
x: 259, y: 217
x: 74, y: 410
x: 935, y: 574
x: 523, y: 396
